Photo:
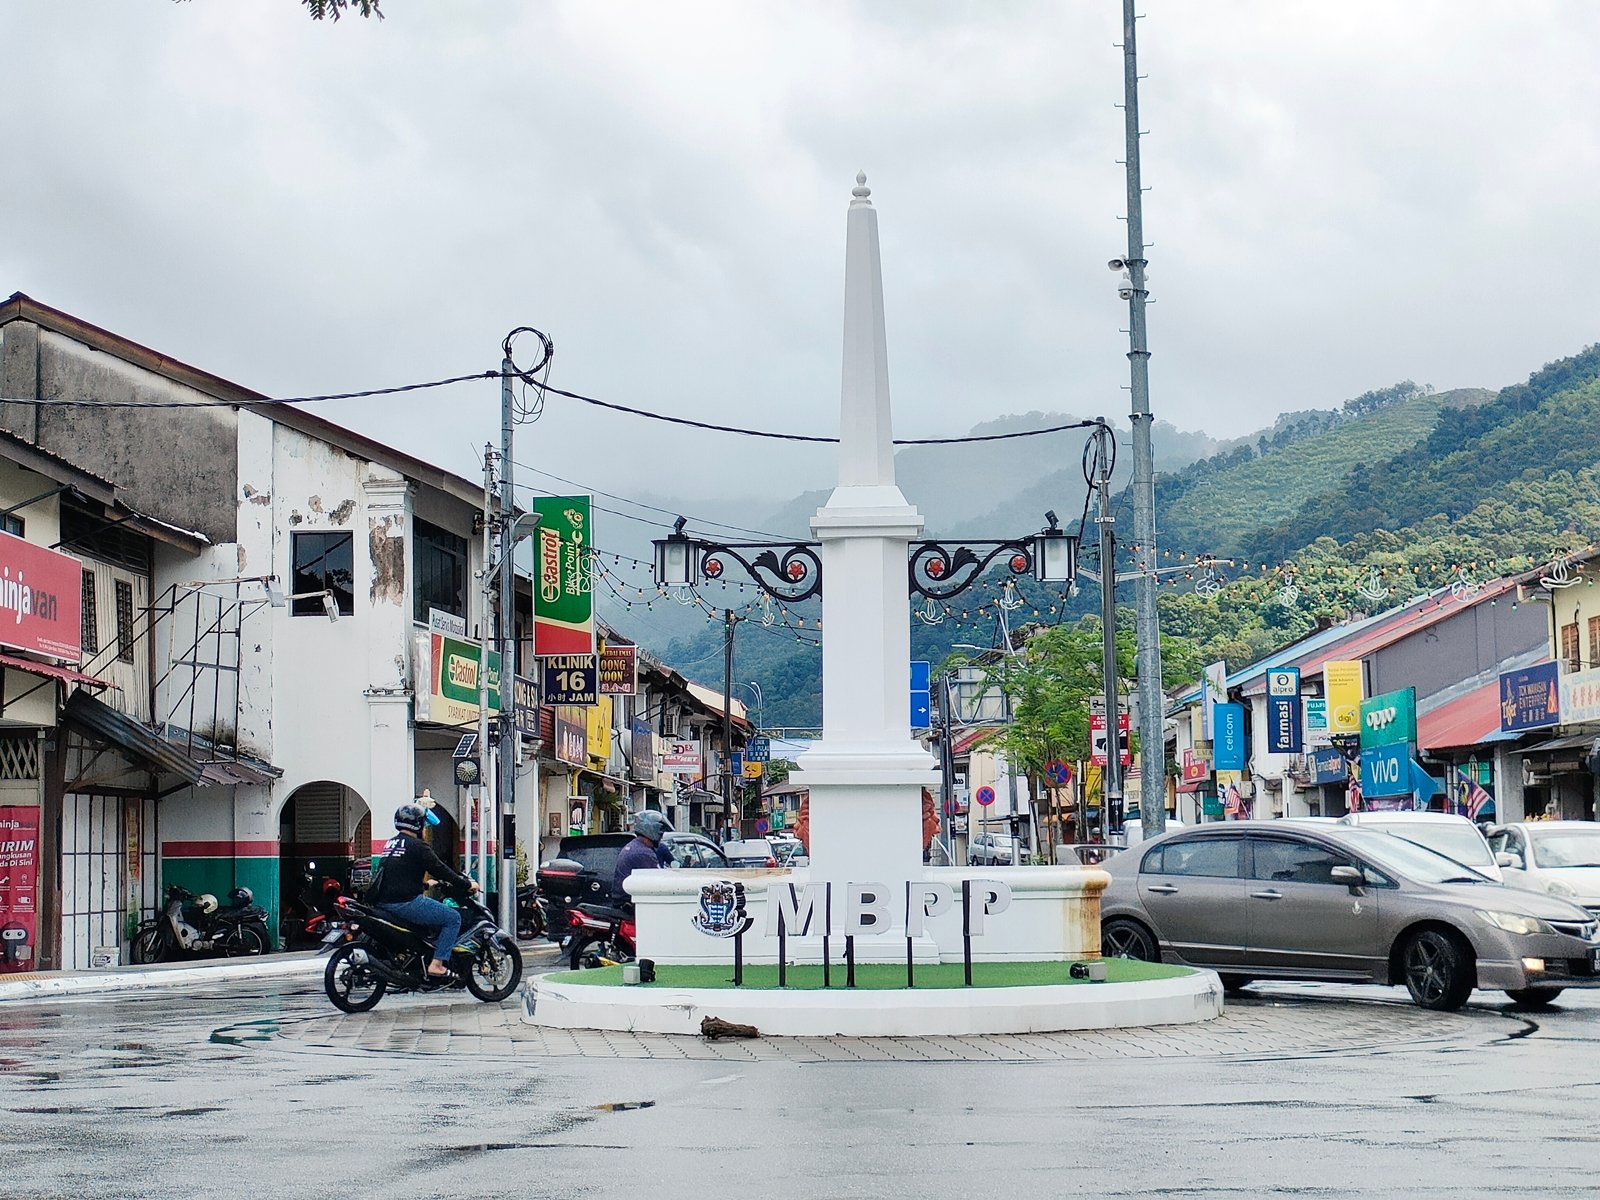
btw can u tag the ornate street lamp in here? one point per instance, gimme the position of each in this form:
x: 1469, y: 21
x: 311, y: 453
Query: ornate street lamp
x: 1055, y: 553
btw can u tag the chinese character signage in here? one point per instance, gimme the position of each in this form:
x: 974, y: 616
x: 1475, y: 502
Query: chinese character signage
x: 1283, y: 710
x: 1529, y: 699
x: 41, y: 597
x: 19, y: 893
x: 1342, y: 685
x: 525, y: 699
x: 619, y: 670
x: 563, y: 601
x: 1580, y: 697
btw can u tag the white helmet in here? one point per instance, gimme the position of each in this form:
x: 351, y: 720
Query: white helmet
x: 206, y: 903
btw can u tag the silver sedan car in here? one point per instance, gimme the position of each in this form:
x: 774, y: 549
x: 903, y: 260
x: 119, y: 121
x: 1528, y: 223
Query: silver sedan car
x: 1272, y: 900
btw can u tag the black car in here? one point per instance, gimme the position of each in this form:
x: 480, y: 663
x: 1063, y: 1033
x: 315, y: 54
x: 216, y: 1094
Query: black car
x: 586, y: 864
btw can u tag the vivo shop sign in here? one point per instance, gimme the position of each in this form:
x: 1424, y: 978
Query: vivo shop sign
x: 866, y: 909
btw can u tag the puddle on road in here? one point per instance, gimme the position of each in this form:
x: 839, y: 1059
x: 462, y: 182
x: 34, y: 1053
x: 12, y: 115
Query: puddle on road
x: 624, y: 1105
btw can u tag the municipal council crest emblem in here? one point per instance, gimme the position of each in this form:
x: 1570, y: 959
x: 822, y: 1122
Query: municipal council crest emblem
x: 722, y: 910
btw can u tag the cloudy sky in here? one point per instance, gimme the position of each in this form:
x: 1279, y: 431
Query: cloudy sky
x: 1343, y: 194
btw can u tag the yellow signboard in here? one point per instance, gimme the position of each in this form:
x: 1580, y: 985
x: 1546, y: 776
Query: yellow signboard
x: 752, y: 770
x: 1342, y: 682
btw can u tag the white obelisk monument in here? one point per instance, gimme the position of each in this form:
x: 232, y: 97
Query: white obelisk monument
x: 866, y: 774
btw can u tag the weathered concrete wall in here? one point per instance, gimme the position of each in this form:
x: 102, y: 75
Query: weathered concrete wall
x: 175, y: 464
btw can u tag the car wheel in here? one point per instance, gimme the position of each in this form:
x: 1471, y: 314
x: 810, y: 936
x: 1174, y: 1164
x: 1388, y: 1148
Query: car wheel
x: 1122, y: 938
x: 1533, y: 997
x: 1438, y: 970
x: 1233, y: 984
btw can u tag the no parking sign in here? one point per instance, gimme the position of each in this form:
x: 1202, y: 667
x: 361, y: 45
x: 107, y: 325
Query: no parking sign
x: 984, y: 795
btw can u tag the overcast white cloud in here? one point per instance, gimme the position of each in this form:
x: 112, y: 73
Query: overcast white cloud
x: 1344, y: 195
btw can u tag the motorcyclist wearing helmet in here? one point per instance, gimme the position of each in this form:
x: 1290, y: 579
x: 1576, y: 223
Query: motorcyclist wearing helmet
x: 399, y: 888
x: 642, y: 853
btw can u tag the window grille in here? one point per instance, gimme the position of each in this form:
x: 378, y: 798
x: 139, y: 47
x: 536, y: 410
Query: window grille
x: 91, y: 617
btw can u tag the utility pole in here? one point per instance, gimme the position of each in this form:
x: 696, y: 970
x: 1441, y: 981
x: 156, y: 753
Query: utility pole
x: 1111, y: 776
x: 486, y: 637
x: 506, y: 767
x: 1152, y: 741
x: 727, y: 719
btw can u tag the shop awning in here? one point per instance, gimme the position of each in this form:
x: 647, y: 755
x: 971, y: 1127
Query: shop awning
x: 51, y: 671
x: 1570, y: 742
x: 145, y: 745
x: 1468, y: 720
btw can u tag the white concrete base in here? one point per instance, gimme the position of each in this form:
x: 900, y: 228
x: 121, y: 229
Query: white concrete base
x: 929, y: 1012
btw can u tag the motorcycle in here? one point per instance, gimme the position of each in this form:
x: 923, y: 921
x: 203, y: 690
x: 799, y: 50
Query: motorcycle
x: 318, y: 914
x: 191, y: 925
x: 385, y: 955
x: 531, y: 921
x: 602, y: 936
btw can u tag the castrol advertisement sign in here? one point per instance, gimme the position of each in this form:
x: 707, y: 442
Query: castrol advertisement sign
x: 41, y: 600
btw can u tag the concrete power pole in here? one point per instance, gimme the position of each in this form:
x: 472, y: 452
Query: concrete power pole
x: 1152, y: 744
x: 506, y: 631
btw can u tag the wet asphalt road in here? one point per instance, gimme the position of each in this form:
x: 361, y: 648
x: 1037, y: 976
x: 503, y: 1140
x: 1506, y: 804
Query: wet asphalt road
x: 130, y: 1096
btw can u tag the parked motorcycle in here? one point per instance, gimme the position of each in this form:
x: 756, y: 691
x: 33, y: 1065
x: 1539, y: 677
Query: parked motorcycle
x: 602, y: 936
x: 531, y: 921
x: 192, y: 926
x: 386, y: 955
x: 316, y: 910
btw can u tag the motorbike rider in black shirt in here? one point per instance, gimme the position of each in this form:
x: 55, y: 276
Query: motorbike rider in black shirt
x: 399, y: 888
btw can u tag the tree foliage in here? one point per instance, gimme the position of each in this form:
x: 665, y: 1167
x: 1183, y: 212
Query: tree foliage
x: 334, y: 9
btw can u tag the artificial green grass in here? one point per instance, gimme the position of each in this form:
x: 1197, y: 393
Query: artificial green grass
x: 878, y: 976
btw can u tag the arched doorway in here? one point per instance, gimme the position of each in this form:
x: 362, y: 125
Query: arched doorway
x: 324, y: 828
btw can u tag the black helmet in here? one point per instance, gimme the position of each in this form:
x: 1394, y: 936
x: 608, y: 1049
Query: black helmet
x: 241, y: 896
x: 410, y: 818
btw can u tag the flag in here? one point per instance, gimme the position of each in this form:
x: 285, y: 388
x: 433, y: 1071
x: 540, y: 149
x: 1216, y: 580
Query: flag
x: 1470, y: 795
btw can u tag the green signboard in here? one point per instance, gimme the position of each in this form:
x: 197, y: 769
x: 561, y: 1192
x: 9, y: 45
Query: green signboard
x: 563, y: 599
x: 1389, y: 719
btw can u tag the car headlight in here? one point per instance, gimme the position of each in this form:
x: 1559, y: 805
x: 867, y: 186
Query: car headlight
x: 1557, y: 888
x: 1513, y: 922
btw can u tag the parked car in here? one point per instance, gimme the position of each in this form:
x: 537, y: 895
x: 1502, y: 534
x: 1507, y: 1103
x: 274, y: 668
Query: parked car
x: 586, y: 864
x: 785, y: 846
x: 1443, y: 833
x: 750, y: 852
x: 1280, y: 900
x: 1561, y: 858
x: 995, y: 850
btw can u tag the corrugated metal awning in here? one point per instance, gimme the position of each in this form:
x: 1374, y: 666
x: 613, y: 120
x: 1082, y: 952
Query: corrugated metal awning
x: 51, y: 671
x: 146, y: 745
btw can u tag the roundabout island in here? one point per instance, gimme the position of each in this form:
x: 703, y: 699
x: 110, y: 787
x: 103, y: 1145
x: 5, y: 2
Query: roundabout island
x: 867, y: 941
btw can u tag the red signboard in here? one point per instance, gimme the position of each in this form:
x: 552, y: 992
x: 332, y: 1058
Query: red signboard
x: 1098, y: 740
x: 41, y: 599
x: 19, y: 892
x: 1196, y: 767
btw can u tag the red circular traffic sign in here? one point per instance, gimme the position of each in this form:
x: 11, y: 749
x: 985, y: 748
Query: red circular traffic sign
x: 984, y: 795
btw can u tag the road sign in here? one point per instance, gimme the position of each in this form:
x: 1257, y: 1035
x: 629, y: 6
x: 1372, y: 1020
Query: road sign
x: 1060, y: 773
x: 465, y: 746
x: 763, y: 825
x: 758, y: 750
x: 921, y: 698
x: 1097, y: 738
x: 984, y: 795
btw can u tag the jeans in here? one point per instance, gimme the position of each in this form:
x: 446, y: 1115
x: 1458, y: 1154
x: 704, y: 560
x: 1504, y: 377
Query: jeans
x: 427, y: 913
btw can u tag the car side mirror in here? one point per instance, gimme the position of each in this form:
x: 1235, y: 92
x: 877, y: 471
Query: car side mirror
x: 1507, y: 859
x: 1347, y: 875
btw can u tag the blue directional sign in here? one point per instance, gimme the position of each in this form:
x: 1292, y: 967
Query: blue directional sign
x: 921, y: 695
x: 1386, y: 770
x: 758, y: 749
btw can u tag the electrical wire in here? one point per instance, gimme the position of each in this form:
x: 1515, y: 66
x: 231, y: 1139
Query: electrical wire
x: 593, y: 491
